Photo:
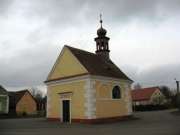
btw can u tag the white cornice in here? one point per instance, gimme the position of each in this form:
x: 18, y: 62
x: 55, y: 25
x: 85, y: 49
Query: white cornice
x: 68, y: 80
x: 109, y: 79
x: 84, y: 77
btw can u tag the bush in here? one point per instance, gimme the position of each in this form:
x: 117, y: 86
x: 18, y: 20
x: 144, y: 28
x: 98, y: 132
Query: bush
x: 150, y: 107
x: 24, y: 114
x: 178, y: 100
x: 41, y: 113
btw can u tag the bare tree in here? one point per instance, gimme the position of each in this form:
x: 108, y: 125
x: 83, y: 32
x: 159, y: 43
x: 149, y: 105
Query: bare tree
x: 137, y: 86
x: 37, y: 93
x: 166, y: 91
x: 40, y: 99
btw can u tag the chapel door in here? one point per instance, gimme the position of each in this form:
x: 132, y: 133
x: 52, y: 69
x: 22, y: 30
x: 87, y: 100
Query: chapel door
x: 66, y: 110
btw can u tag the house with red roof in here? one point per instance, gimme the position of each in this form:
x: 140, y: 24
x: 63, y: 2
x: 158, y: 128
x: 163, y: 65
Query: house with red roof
x: 22, y: 102
x: 148, y: 96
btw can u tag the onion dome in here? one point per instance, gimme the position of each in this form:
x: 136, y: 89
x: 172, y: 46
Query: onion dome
x: 101, y: 32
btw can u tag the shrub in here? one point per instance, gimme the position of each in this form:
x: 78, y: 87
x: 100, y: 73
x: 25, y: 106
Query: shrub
x: 24, y: 114
x: 150, y: 107
x: 178, y: 100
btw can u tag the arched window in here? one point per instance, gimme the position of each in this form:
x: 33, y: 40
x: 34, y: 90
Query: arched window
x: 116, y: 93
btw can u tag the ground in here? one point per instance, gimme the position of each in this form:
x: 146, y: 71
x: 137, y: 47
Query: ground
x: 147, y: 123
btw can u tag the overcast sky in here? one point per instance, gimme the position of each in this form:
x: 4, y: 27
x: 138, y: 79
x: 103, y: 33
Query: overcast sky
x: 144, y: 37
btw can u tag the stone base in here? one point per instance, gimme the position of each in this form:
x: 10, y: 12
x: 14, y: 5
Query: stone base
x: 53, y: 119
x: 97, y: 120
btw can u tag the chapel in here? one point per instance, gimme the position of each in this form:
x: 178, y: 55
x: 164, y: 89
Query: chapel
x: 88, y: 87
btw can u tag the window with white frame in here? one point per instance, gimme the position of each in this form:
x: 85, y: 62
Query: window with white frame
x: 116, y: 92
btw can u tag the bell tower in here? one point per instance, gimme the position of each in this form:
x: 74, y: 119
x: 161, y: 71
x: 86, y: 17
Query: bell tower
x: 102, y: 45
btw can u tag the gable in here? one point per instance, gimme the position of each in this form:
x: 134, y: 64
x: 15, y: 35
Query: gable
x: 26, y: 98
x: 66, y: 65
x: 157, y: 93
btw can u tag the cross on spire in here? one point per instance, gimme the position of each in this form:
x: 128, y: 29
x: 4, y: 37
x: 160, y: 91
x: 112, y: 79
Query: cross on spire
x: 101, y: 20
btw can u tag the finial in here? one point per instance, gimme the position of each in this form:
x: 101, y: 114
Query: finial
x: 101, y: 20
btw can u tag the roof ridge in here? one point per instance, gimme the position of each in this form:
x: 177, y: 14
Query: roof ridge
x: 79, y: 49
x: 22, y: 90
x: 3, y: 90
x: 2, y: 87
x: 145, y: 88
x: 150, y: 87
x: 18, y: 92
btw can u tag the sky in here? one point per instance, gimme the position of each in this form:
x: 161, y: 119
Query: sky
x: 144, y: 37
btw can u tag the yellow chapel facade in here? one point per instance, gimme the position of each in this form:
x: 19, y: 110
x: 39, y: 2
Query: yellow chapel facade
x: 88, y: 87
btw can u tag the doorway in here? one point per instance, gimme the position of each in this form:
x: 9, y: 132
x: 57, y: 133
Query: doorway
x: 65, y: 110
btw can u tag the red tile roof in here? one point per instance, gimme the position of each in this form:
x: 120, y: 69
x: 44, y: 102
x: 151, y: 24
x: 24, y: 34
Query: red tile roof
x: 143, y: 94
x: 97, y: 65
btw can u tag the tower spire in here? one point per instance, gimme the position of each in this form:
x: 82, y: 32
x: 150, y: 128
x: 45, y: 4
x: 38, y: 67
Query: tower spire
x: 102, y: 46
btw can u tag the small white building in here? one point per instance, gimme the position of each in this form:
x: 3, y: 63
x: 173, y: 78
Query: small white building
x: 148, y: 96
x: 4, y: 101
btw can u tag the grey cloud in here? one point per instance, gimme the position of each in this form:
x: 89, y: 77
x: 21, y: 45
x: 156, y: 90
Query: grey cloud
x: 156, y: 76
x: 29, y: 67
x: 5, y: 5
x: 58, y: 13
x: 72, y: 12
x: 162, y: 75
x: 63, y: 13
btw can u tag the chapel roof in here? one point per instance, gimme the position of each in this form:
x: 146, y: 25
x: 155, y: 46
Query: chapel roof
x: 97, y: 65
